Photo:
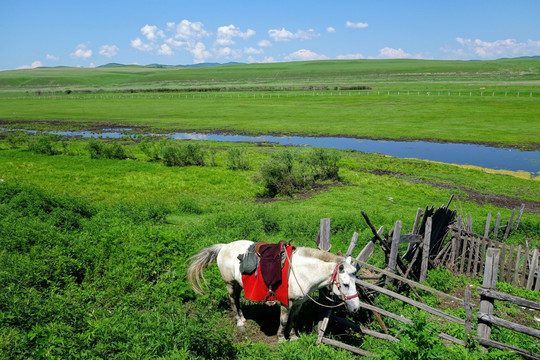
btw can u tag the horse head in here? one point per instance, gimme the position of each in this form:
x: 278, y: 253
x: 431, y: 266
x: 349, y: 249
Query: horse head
x: 344, y: 285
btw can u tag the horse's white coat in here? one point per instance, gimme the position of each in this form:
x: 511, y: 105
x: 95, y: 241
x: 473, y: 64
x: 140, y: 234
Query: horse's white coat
x: 310, y: 269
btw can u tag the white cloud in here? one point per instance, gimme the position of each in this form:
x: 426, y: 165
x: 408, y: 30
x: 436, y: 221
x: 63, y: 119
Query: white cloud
x: 199, y: 53
x: 283, y: 34
x: 330, y: 30
x: 494, y: 49
x: 164, y: 49
x: 267, y: 59
x: 139, y: 45
x: 51, y: 57
x: 264, y: 43
x: 34, y: 65
x: 225, y: 35
x: 350, y: 56
x: 108, y: 50
x: 227, y: 52
x: 306, y: 35
x: 280, y: 34
x: 81, y: 52
x: 391, y: 53
x: 252, y: 50
x: 151, y: 32
x: 187, y: 30
x: 356, y: 25
x: 304, y: 55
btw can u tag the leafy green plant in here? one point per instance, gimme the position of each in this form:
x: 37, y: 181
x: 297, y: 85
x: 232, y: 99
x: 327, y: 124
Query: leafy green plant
x: 286, y: 172
x: 45, y: 144
x: 100, y: 149
x: 417, y: 341
x: 237, y: 159
x: 175, y: 154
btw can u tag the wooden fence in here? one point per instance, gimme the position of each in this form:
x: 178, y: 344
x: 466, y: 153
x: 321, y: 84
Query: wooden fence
x: 465, y: 254
x: 387, y: 275
x: 485, y: 316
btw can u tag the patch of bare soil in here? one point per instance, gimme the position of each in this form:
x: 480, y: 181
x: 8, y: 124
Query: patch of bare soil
x: 497, y: 200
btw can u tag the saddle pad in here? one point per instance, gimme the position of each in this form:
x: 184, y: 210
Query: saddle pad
x: 256, y: 290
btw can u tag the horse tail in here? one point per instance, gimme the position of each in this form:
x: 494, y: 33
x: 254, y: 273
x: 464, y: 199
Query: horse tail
x: 199, y: 262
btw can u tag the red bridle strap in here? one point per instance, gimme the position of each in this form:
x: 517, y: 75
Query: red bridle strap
x: 333, y: 280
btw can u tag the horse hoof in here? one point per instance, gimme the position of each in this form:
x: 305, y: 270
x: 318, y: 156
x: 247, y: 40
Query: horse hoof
x: 242, y: 327
x: 293, y: 338
x: 281, y: 340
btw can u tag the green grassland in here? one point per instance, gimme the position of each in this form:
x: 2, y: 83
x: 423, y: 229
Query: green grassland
x: 492, y: 102
x: 94, y: 250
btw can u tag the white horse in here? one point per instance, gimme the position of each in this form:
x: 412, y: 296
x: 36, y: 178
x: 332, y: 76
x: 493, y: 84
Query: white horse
x: 310, y: 269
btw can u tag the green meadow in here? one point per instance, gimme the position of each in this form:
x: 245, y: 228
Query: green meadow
x: 492, y: 102
x: 95, y: 235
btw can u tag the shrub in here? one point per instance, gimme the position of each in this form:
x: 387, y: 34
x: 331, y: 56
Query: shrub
x: 17, y: 139
x: 323, y: 164
x: 174, y: 154
x: 99, y: 150
x: 285, y: 172
x: 277, y: 175
x: 44, y: 145
x: 237, y: 159
x: 151, y: 148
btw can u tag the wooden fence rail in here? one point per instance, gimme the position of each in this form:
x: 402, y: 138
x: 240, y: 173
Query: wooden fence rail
x: 485, y: 314
x: 465, y: 255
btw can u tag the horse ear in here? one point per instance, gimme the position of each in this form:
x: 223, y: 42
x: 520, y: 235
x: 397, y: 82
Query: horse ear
x: 348, y: 260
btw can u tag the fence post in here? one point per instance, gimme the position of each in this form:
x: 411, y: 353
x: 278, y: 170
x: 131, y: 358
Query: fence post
x: 392, y: 261
x: 496, y: 229
x: 532, y: 269
x: 519, y: 215
x: 468, y: 313
x: 490, y: 283
x: 488, y: 223
x: 425, y: 250
x: 509, y: 225
x: 324, y: 243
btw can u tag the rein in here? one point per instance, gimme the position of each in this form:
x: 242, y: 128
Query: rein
x: 333, y: 280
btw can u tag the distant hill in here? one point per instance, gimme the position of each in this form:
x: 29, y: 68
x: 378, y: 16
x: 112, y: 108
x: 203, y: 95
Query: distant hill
x: 159, y: 66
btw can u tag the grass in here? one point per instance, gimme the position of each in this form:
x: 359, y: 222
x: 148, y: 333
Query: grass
x: 93, y: 252
x: 467, y: 102
x: 457, y: 119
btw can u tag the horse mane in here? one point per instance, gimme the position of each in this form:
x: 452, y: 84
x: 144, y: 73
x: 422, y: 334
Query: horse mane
x: 319, y: 254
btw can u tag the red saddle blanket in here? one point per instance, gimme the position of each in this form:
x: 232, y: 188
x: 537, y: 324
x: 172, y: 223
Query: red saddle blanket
x: 255, y: 288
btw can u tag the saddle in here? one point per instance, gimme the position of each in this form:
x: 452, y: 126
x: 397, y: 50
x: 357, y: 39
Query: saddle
x: 268, y: 260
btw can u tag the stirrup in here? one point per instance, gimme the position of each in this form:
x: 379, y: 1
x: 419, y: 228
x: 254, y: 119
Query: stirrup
x: 270, y: 298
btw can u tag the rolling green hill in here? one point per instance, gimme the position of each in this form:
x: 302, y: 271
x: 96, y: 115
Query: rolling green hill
x: 328, y: 72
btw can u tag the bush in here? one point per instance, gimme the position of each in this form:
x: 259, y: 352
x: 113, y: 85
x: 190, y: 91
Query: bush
x: 237, y: 159
x: 17, y: 139
x: 44, y: 145
x: 285, y: 172
x: 323, y: 164
x: 151, y: 148
x: 175, y: 154
x: 99, y: 150
x: 277, y: 174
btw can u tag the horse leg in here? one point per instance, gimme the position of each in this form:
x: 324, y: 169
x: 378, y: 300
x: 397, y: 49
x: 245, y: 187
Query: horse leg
x: 234, y: 290
x: 283, y: 331
x: 295, y: 311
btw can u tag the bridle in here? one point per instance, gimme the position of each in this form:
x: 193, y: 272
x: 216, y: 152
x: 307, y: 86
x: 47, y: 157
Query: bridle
x: 334, y: 281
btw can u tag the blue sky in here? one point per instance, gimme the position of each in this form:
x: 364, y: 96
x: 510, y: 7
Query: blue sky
x: 92, y: 33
